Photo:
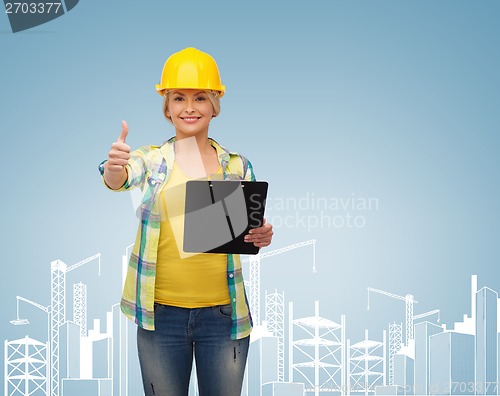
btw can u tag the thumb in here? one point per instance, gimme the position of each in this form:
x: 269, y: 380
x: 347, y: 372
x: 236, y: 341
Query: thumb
x: 124, y: 133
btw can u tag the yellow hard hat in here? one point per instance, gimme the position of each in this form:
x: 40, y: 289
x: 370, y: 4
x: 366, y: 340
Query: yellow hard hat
x: 190, y: 69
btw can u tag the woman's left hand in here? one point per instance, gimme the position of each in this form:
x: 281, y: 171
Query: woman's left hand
x: 261, y: 236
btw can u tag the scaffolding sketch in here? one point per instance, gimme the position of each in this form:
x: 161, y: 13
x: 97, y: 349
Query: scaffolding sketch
x: 367, y: 365
x: 26, y: 367
x: 319, y: 358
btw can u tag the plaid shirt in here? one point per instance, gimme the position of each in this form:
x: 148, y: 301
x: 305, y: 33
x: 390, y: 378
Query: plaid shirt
x: 149, y: 168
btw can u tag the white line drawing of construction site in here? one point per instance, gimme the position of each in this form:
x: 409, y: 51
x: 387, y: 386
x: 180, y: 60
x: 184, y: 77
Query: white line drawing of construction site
x: 288, y: 356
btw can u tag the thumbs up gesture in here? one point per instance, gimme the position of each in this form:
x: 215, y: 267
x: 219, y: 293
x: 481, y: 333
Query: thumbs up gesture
x: 115, y: 174
x: 119, y: 154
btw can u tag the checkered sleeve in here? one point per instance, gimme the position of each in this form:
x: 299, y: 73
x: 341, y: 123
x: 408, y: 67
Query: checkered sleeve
x: 136, y: 169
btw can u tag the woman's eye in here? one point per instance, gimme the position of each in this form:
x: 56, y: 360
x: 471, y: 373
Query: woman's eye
x: 201, y: 98
x: 178, y: 98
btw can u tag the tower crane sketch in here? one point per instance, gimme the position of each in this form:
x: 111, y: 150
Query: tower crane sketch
x: 409, y: 301
x: 255, y: 273
x: 58, y: 271
x: 57, y: 313
x: 23, y: 321
x: 423, y: 315
x: 80, y: 307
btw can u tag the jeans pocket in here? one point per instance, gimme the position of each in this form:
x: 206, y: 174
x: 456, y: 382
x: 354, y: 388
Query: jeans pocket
x: 226, y: 310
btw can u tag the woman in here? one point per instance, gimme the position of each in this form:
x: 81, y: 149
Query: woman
x: 185, y: 304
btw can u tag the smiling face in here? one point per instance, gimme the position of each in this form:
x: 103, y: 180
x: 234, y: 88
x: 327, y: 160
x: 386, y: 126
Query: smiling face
x: 191, y: 111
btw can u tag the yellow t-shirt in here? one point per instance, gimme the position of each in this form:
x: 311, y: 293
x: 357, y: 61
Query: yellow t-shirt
x: 189, y: 280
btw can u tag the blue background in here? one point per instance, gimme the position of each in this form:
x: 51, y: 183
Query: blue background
x: 398, y: 101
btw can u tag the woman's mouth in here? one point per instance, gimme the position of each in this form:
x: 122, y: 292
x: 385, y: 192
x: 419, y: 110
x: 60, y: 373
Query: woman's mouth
x: 190, y: 119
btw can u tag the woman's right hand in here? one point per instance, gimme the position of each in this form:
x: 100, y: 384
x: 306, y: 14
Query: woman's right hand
x: 115, y: 174
x: 119, y: 154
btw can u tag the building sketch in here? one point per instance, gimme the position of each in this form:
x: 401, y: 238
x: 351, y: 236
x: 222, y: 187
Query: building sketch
x: 404, y: 373
x: 486, y: 341
x: 309, y: 356
x: 283, y: 389
x: 69, y: 337
x: 423, y: 332
x: 263, y: 362
x: 451, y: 363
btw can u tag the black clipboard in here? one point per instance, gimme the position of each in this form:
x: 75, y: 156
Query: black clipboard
x: 219, y: 213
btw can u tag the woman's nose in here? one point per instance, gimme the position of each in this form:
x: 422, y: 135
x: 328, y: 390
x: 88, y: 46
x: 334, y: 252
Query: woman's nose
x: 189, y: 106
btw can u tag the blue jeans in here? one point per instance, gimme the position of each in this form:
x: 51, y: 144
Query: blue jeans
x: 166, y: 354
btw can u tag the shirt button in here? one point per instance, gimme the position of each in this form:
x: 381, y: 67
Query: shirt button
x: 231, y: 275
x: 234, y: 299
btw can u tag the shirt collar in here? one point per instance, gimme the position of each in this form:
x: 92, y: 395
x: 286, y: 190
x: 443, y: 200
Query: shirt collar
x: 167, y: 150
x: 222, y: 153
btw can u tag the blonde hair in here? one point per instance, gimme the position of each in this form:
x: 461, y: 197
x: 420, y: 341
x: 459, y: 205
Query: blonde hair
x: 213, y: 96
